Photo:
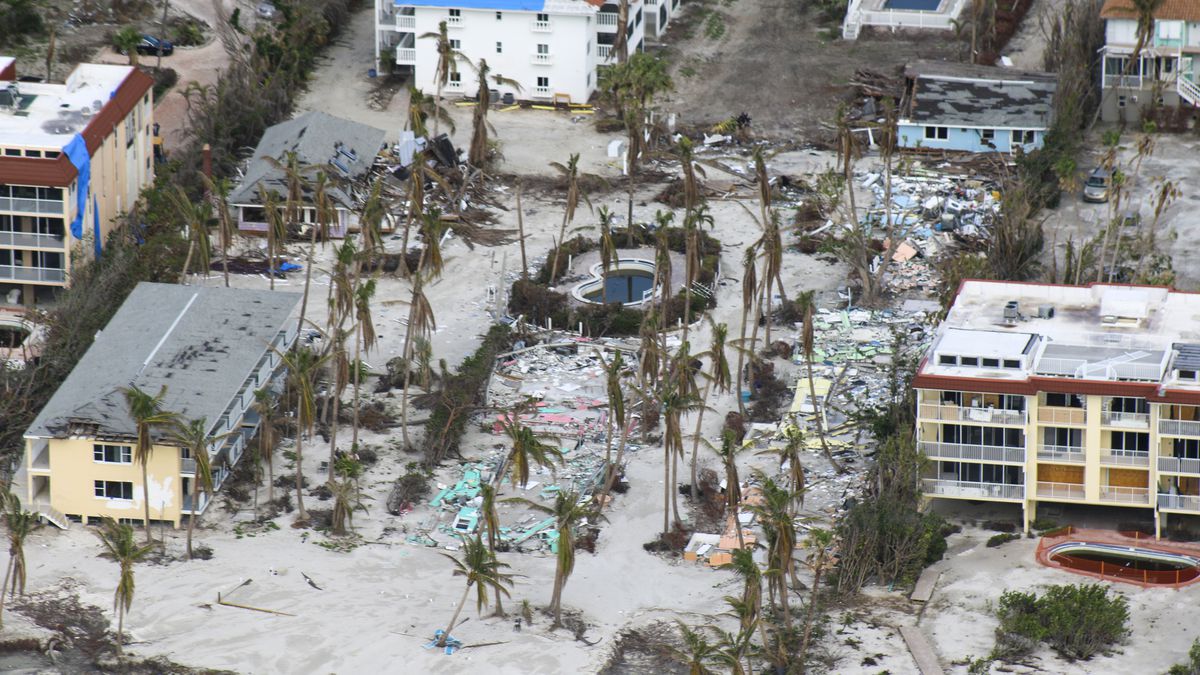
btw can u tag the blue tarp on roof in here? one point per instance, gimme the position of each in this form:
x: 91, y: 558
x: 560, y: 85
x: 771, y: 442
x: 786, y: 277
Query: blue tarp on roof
x: 508, y: 5
x: 77, y: 152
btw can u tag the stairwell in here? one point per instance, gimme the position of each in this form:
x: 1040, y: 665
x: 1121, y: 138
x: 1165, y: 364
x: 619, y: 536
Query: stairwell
x: 1188, y: 91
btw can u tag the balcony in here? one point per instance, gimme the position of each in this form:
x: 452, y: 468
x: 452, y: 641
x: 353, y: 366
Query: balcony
x: 602, y: 51
x: 43, y: 274
x: 542, y: 60
x: 956, y: 413
x: 1179, y: 502
x: 1179, y: 428
x: 406, y: 56
x: 406, y: 22
x: 452, y: 21
x: 966, y: 490
x: 542, y: 26
x: 541, y: 92
x: 1125, y: 495
x: 32, y: 240
x: 1061, y: 453
x: 1060, y: 490
x: 606, y: 19
x: 1125, y: 420
x: 978, y: 453
x: 1072, y: 416
x: 187, y: 503
x: 1124, y: 457
x: 52, y: 207
x: 1178, y: 465
x: 41, y: 456
x: 454, y: 86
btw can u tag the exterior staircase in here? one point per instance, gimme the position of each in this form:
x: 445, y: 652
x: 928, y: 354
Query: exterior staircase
x: 52, y: 515
x: 1188, y: 91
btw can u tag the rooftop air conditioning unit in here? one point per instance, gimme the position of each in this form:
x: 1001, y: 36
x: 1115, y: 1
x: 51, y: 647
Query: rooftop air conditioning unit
x: 1012, y: 310
x: 1045, y: 311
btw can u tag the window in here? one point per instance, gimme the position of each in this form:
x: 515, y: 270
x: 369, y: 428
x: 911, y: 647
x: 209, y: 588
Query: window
x: 1170, y: 30
x: 12, y: 152
x: 112, y: 454
x: 543, y: 83
x: 542, y: 49
x: 456, y: 77
x: 951, y: 398
x: 130, y: 130
x: 937, y: 133
x: 988, y: 135
x: 456, y: 44
x: 33, y: 153
x: 456, y: 14
x: 1064, y: 400
x: 1129, y: 404
x: 52, y: 154
x: 1187, y: 374
x: 1012, y: 363
x: 969, y: 360
x: 1062, y: 437
x: 1130, y: 441
x: 543, y: 18
x: 991, y: 363
x: 1186, y: 448
x: 946, y: 360
x: 114, y: 489
x: 499, y: 16
x: 1022, y: 136
x: 499, y: 47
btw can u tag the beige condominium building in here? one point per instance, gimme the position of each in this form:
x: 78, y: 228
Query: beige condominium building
x: 1034, y: 393
x: 208, y: 349
x: 73, y: 156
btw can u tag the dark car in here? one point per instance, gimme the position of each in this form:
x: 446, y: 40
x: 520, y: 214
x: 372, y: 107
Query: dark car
x: 150, y: 46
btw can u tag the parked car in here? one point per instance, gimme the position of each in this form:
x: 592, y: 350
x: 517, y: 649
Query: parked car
x: 1098, y: 184
x: 1131, y: 219
x: 266, y: 10
x: 150, y: 45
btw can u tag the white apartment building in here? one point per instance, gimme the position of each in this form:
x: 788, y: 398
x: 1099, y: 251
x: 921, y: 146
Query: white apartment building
x: 552, y: 48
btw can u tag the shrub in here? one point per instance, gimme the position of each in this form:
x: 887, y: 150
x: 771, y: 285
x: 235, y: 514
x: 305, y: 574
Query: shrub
x: 19, y: 19
x: 1192, y: 667
x: 1043, y: 524
x: 188, y: 34
x: 1077, y: 621
x: 1001, y: 539
x: 164, y: 80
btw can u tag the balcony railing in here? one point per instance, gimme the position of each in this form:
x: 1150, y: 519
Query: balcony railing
x: 406, y: 56
x: 31, y: 240
x: 1125, y: 495
x: 454, y: 86
x: 406, y: 21
x: 20, y: 205
x: 1054, y: 415
x: 967, y: 490
x: 603, y: 51
x: 1179, y: 465
x: 606, y: 19
x: 957, y: 413
x: 1179, y: 428
x: 1060, y: 490
x: 1125, y: 419
x: 541, y: 59
x: 454, y: 21
x: 187, y: 503
x: 541, y: 92
x: 1061, y: 453
x: 541, y: 26
x: 18, y: 273
x: 979, y: 453
x: 1179, y: 502
x: 1124, y: 457
x: 1122, y: 81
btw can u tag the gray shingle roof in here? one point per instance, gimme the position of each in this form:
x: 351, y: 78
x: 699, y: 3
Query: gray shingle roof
x: 200, y: 343
x: 344, y: 150
x: 950, y: 94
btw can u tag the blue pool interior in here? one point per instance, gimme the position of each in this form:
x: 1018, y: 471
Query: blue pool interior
x: 913, y: 5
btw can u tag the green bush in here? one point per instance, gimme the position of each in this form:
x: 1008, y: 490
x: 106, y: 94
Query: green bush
x: 1043, y: 524
x: 188, y: 34
x: 1001, y: 539
x: 19, y: 19
x: 459, y: 396
x: 1192, y: 667
x: 1077, y: 621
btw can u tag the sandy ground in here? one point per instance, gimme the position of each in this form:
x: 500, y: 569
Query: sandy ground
x: 1028, y: 45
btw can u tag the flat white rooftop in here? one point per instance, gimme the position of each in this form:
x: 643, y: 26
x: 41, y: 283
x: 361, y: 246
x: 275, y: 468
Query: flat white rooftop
x: 49, y: 115
x: 1097, y: 332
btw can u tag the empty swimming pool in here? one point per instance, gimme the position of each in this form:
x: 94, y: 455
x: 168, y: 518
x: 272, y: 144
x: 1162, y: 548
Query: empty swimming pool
x: 912, y: 5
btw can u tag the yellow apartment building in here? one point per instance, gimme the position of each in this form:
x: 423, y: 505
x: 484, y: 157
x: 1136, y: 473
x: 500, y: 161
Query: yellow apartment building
x: 73, y: 156
x: 210, y: 348
x: 1036, y: 393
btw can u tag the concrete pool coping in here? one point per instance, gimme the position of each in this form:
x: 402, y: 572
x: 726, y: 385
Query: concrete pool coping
x: 1065, y: 540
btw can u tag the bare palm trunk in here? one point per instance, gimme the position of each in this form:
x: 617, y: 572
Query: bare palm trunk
x: 556, y: 596
x: 146, y: 500
x: 120, y: 628
x: 812, y: 608
x: 357, y: 378
x: 666, y: 490
x: 4, y: 589
x: 271, y: 254
x: 454, y: 619
x: 675, y: 486
x: 301, y: 514
x: 521, y: 235
x: 225, y: 258
x: 696, y: 435
x: 192, y: 516
x: 187, y: 262
x: 270, y: 450
x: 741, y: 362
x: 312, y: 245
x: 333, y: 425
x: 611, y: 480
x: 819, y: 418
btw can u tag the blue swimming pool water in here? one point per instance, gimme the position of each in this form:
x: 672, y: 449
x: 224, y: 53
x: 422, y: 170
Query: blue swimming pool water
x: 913, y: 5
x: 624, y: 286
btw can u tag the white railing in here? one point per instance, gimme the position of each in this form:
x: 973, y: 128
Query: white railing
x: 1124, y: 457
x: 1055, y: 415
x: 603, y: 51
x: 1061, y: 453
x: 23, y: 205
x: 1125, y: 495
x: 454, y: 86
x: 541, y: 26
x: 30, y: 239
x: 18, y: 273
x: 1188, y: 90
x: 541, y: 59
x: 979, y: 453
x: 957, y: 413
x: 1179, y: 427
x: 1088, y: 370
x: 406, y: 56
x: 1129, y: 81
x: 1179, y: 465
x: 1061, y: 490
x: 856, y: 17
x: 541, y: 92
x: 956, y: 488
x: 606, y: 19
x: 406, y: 21
x: 454, y: 21
x: 1178, y: 502
x: 187, y: 503
x: 1125, y: 419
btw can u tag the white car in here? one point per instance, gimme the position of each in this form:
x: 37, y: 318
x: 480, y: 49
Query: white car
x: 266, y: 10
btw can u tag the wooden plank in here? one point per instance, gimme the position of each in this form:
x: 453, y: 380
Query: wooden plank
x: 922, y: 653
x: 924, y: 588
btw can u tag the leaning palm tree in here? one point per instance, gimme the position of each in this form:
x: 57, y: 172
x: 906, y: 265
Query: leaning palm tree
x: 728, y: 452
x: 483, y: 571
x: 568, y: 511
x: 749, y: 288
x: 194, y: 436
x: 196, y: 217
x: 20, y: 523
x: 527, y: 450
x: 478, y: 153
x: 489, y: 520
x: 303, y: 366
x: 268, y: 416
x: 422, y: 107
x: 447, y: 63
x: 148, y: 417
x: 718, y: 377
x: 119, y: 546
x: 219, y: 189
x: 575, y: 194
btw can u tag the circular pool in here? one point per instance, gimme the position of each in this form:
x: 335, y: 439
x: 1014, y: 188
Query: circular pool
x: 630, y: 281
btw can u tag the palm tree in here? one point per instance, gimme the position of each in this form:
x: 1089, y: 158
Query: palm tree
x: 1145, y: 11
x: 742, y: 563
x: 631, y: 87
x: 447, y: 63
x: 526, y: 451
x: 806, y: 302
x: 697, y: 651
x: 268, y: 415
x: 718, y: 378
x: 126, y: 41
x: 728, y: 452
x: 276, y: 230
x: 482, y: 570
x: 490, y: 523
x: 347, y: 498
x: 570, y: 172
x: 568, y: 510
x: 789, y: 455
x: 365, y: 340
x: 676, y: 400
x: 749, y: 289
x: 421, y: 321
x: 194, y: 436
x: 119, y: 546
x: 325, y: 214
x: 219, y: 189
x: 608, y: 247
x: 196, y: 219
x: 303, y: 365
x: 20, y: 523
x: 820, y: 540
x: 617, y: 417
x: 422, y: 106
x: 771, y: 246
x: 692, y: 223
x: 478, y: 154
x: 779, y: 526
x: 148, y: 416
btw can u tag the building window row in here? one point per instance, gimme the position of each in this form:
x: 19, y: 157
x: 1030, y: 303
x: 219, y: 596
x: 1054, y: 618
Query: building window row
x: 36, y: 154
x: 977, y: 362
x: 30, y: 192
x: 36, y: 224
x: 112, y: 454
x: 114, y: 489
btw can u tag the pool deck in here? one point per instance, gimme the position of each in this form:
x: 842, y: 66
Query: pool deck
x: 1114, y: 538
